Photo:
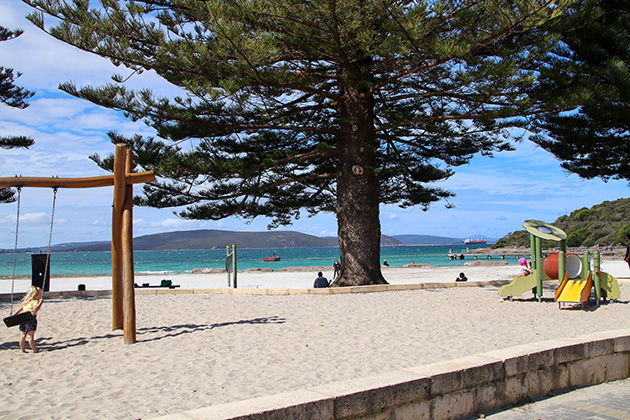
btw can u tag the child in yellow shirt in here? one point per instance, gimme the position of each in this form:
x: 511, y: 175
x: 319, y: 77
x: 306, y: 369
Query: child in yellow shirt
x: 32, y: 303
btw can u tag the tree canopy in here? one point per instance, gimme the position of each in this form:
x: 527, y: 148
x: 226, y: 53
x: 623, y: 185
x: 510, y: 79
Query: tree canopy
x: 15, y: 97
x: 588, y: 80
x: 307, y: 106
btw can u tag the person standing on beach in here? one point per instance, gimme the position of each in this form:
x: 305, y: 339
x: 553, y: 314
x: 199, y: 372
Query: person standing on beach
x: 627, y: 257
x: 321, y: 281
x: 32, y: 303
x: 336, y: 268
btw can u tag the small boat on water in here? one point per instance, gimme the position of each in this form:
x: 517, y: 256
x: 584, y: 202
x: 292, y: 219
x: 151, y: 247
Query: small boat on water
x: 274, y: 258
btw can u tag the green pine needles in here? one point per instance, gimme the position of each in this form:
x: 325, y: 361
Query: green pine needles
x: 307, y: 106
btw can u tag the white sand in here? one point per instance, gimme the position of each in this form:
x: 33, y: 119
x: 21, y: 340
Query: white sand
x: 200, y: 350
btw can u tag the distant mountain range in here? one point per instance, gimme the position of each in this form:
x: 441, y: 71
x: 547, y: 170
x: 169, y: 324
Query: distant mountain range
x: 219, y: 239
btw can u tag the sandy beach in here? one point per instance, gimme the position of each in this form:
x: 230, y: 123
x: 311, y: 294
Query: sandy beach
x: 197, y: 350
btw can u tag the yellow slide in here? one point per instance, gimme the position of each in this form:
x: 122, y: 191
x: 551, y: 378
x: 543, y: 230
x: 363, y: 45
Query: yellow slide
x: 574, y: 291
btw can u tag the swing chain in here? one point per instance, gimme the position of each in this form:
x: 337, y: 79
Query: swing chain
x: 52, y: 220
x: 17, y: 228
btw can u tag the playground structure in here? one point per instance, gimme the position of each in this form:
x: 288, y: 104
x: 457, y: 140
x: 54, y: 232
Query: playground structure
x: 123, y: 295
x: 576, y: 278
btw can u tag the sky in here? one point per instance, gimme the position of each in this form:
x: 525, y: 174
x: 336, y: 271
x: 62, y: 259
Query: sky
x: 493, y: 195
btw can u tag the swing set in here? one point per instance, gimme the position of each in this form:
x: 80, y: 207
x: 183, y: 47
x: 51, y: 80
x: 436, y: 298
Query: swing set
x: 123, y: 295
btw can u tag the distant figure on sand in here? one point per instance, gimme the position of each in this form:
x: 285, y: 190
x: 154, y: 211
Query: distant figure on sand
x: 462, y: 277
x: 336, y: 267
x: 32, y: 303
x: 385, y: 263
x: 627, y: 257
x: 321, y: 281
x: 525, y: 270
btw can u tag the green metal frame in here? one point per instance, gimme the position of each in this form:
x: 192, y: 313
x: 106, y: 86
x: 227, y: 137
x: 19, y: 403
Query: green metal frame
x: 539, y: 230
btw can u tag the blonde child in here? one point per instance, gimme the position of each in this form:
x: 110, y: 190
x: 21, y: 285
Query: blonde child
x: 32, y: 303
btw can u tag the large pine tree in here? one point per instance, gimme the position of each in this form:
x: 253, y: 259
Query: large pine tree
x: 587, y: 87
x: 305, y: 106
x: 15, y: 97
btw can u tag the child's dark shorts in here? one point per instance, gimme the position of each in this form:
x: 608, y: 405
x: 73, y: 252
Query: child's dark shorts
x: 29, y: 326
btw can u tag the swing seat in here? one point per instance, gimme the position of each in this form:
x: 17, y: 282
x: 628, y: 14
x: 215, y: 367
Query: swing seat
x: 21, y: 318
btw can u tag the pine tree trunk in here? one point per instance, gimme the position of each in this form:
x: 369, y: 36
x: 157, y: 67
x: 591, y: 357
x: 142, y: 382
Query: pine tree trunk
x: 358, y: 224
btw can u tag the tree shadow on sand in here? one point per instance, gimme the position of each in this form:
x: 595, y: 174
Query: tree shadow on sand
x: 49, y: 344
x: 176, y: 330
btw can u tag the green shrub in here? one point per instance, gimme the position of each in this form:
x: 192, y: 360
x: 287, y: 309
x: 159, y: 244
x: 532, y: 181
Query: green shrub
x: 621, y: 236
x: 577, y: 237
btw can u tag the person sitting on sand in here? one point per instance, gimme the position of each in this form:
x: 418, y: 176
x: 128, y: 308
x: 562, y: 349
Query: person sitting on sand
x: 385, y: 263
x: 525, y: 270
x: 321, y: 281
x: 32, y: 303
x: 462, y: 277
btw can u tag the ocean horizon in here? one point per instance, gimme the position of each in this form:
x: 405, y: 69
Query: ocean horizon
x: 184, y: 261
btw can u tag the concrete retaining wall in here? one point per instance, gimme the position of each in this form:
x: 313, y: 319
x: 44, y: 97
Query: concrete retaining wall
x: 449, y: 390
x: 246, y: 291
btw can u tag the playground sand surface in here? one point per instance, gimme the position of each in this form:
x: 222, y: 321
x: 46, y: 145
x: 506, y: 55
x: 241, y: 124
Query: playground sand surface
x: 197, y: 350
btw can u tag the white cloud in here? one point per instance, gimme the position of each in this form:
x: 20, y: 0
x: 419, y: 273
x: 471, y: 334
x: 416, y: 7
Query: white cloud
x: 174, y: 223
x: 29, y: 218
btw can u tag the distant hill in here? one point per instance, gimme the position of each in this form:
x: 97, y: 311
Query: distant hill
x: 605, y: 223
x: 427, y: 240
x: 219, y: 239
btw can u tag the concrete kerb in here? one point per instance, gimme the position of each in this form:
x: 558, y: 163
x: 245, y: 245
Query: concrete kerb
x: 252, y: 291
x: 453, y: 389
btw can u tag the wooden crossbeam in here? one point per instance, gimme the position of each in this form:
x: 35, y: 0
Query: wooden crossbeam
x: 91, y: 182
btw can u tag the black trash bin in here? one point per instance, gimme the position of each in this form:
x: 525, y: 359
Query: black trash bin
x: 40, y: 264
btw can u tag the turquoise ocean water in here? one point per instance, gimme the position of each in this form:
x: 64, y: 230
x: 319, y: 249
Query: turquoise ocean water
x: 158, y: 262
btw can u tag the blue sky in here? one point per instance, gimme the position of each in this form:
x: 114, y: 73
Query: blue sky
x: 493, y: 196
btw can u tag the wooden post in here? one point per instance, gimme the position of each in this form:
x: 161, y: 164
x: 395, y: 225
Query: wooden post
x: 117, y: 262
x: 129, y: 298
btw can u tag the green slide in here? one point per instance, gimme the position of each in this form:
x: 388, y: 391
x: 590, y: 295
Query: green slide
x: 610, y: 285
x: 519, y: 285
